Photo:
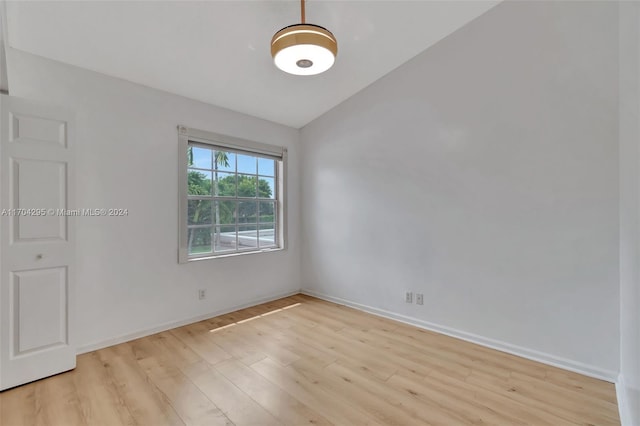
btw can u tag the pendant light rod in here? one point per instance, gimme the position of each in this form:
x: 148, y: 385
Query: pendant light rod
x: 302, y: 17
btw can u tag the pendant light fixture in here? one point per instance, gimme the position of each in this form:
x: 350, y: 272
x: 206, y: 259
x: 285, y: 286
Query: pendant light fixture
x: 304, y: 49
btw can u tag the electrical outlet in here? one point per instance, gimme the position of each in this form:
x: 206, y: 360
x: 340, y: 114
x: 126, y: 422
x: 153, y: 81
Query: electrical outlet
x: 419, y: 299
x: 202, y: 294
x: 408, y: 297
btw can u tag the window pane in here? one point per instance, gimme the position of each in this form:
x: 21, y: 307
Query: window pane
x: 266, y: 167
x: 199, y: 212
x: 266, y: 188
x: 225, y: 238
x: 247, y: 236
x: 267, y: 233
x: 225, y: 161
x: 266, y: 212
x: 199, y: 240
x: 225, y: 184
x: 199, y: 182
x: 224, y: 213
x: 247, y: 212
x: 231, y: 201
x: 199, y: 157
x: 247, y: 164
x: 247, y: 186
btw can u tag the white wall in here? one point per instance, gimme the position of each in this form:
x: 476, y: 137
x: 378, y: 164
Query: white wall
x: 629, y: 386
x: 128, y: 278
x: 484, y: 174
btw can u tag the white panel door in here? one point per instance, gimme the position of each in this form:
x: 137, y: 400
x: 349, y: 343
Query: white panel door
x: 37, y: 249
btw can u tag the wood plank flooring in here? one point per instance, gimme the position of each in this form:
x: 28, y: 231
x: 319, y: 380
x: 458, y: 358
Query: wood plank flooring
x: 298, y: 361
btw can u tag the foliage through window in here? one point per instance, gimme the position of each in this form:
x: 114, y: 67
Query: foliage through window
x: 232, y: 201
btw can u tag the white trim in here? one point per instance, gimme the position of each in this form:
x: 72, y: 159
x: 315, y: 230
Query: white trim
x: 564, y: 363
x: 282, y: 195
x: 531, y: 354
x: 237, y: 253
x: 623, y: 407
x: 5, y: 25
x: 4, y: 44
x: 183, y: 145
x: 174, y: 324
x: 211, y: 138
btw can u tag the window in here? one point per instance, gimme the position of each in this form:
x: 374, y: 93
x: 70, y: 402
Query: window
x: 231, y: 196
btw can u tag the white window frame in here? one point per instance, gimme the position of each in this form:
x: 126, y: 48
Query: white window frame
x: 186, y: 135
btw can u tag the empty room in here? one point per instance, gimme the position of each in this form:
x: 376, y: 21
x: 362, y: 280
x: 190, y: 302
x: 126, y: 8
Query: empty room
x: 327, y: 212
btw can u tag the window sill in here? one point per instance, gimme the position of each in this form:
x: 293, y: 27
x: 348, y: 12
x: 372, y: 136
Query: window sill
x: 224, y: 256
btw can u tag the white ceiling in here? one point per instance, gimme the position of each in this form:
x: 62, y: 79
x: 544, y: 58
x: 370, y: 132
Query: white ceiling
x: 218, y: 51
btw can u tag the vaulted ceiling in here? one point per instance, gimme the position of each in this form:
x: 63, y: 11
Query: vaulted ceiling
x: 218, y: 51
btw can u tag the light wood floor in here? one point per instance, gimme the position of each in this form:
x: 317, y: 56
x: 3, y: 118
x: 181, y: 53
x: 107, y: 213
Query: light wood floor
x: 301, y: 360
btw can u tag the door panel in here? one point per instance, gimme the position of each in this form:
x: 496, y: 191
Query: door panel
x: 37, y: 129
x: 40, y: 309
x: 37, y: 243
x: 36, y: 184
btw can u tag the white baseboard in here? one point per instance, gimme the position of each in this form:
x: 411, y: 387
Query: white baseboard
x: 623, y: 408
x: 531, y: 354
x: 564, y: 363
x: 173, y: 324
